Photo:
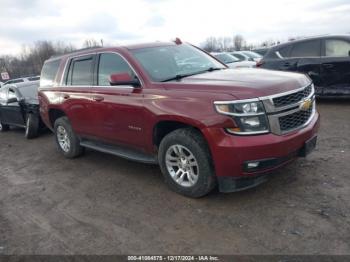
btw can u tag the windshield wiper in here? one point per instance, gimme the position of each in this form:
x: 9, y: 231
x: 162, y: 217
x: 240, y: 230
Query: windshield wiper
x: 180, y: 76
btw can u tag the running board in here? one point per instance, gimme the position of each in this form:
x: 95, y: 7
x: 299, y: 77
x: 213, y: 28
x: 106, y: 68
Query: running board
x: 120, y: 151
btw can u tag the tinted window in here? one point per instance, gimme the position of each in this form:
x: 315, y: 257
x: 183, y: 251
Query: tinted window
x: 11, y: 94
x: 306, y: 49
x: 80, y: 72
x: 14, y: 81
x: 111, y: 64
x: 337, y: 48
x: 283, y: 51
x: 48, y: 73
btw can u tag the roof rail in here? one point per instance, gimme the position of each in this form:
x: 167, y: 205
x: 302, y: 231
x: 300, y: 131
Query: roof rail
x: 76, y: 50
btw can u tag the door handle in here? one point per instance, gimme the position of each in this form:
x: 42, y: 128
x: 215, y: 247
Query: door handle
x: 286, y: 64
x: 97, y: 98
x: 66, y: 96
x: 328, y: 65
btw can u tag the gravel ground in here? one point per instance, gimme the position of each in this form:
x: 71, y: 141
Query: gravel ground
x: 101, y: 204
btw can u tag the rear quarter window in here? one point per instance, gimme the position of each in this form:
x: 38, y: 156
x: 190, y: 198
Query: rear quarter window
x: 306, y: 49
x: 48, y: 73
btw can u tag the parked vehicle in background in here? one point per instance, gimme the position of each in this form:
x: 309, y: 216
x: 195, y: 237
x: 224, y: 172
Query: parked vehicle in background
x: 22, y: 80
x: 326, y: 60
x: 19, y: 106
x: 203, y: 123
x: 255, y: 56
x: 232, y: 61
x: 241, y: 56
x: 261, y: 51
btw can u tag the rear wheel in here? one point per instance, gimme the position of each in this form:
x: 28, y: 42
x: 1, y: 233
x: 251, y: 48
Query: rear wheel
x: 67, y: 141
x: 186, y: 163
x: 4, y: 127
x: 32, y: 126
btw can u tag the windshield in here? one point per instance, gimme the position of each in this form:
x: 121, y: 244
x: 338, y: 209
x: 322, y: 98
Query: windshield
x: 167, y: 62
x: 226, y: 58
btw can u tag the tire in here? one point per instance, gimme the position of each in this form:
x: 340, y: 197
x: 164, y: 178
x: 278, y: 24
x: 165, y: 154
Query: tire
x: 67, y: 141
x: 32, y: 126
x: 4, y: 127
x: 199, y: 178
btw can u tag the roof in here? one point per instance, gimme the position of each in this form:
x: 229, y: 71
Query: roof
x: 129, y: 47
x: 311, y: 38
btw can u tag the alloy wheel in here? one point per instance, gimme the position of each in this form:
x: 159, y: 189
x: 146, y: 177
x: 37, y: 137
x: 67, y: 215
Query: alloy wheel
x: 182, y: 165
x: 63, y: 139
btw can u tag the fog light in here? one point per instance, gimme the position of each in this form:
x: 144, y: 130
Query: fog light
x: 253, y: 164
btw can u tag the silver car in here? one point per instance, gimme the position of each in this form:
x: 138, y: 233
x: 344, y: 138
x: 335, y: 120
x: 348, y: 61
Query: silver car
x: 232, y: 61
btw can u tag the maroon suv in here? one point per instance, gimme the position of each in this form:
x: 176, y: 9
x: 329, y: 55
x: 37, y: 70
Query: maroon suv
x: 174, y: 105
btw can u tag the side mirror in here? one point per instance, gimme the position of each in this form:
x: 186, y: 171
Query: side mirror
x: 12, y: 100
x: 124, y: 79
x: 349, y: 52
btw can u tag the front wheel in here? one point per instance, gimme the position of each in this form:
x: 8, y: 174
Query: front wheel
x: 186, y: 163
x: 67, y: 141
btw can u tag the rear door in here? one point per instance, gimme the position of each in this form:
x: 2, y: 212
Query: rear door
x: 117, y: 110
x: 76, y: 94
x: 336, y: 66
x: 307, y: 55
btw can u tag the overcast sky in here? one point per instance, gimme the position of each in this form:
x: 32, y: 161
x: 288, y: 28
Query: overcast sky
x: 129, y: 21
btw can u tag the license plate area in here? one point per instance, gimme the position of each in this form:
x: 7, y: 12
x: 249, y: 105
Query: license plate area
x: 308, y: 147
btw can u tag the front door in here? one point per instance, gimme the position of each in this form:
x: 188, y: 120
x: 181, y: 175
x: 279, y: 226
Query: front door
x: 117, y: 110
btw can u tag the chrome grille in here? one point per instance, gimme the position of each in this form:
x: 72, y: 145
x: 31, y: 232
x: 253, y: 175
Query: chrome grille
x: 294, y: 120
x: 285, y: 111
x: 292, y: 98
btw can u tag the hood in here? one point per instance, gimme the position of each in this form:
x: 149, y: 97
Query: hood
x: 242, y: 83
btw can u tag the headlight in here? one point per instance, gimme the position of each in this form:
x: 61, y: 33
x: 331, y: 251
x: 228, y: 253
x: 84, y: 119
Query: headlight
x: 249, y: 115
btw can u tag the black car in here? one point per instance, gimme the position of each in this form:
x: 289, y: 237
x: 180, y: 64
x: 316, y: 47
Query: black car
x: 19, y: 106
x: 326, y: 60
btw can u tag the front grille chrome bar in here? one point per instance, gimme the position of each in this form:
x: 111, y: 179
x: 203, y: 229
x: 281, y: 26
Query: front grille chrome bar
x: 274, y: 113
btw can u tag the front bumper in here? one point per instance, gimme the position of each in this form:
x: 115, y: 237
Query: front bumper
x: 231, y: 153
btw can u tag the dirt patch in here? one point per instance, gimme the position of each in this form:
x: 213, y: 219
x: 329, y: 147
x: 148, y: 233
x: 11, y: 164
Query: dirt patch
x: 101, y: 204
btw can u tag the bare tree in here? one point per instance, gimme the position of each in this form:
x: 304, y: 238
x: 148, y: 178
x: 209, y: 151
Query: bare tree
x: 32, y: 58
x: 91, y: 43
x: 239, y: 42
x: 210, y: 44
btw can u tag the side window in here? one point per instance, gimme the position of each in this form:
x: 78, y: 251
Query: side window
x: 48, y: 73
x: 80, y: 72
x: 11, y: 93
x: 110, y: 64
x: 335, y: 47
x: 3, y: 92
x: 283, y: 52
x: 307, y: 49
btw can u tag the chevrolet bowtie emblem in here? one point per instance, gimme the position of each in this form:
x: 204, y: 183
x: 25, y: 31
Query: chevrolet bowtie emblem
x: 306, y: 105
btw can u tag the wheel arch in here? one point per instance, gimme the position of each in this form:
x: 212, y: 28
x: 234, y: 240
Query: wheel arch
x: 166, y: 126
x: 54, y: 114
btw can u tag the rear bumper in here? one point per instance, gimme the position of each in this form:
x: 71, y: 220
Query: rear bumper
x: 232, y: 153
